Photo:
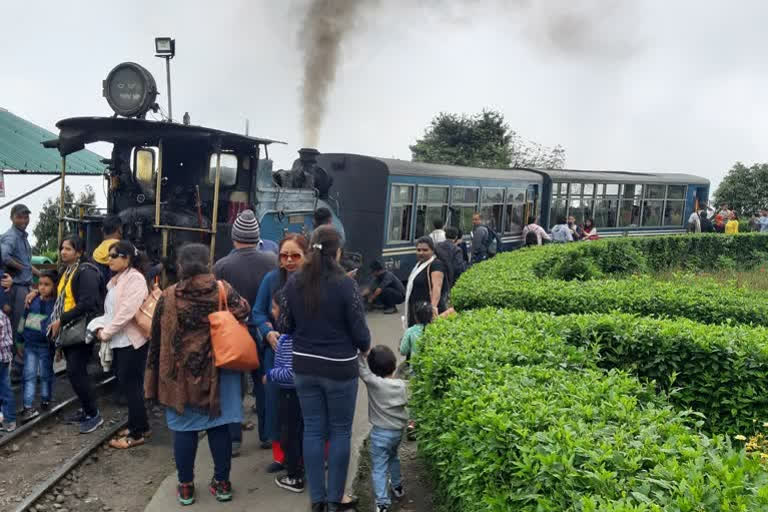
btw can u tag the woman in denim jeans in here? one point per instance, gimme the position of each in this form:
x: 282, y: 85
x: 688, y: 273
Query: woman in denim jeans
x: 324, y: 312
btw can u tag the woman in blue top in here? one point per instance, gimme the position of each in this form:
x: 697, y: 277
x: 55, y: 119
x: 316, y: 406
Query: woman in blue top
x: 324, y: 313
x: 292, y: 250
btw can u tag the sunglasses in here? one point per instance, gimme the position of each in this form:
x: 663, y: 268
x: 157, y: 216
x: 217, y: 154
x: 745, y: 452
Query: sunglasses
x: 114, y: 256
x: 291, y: 255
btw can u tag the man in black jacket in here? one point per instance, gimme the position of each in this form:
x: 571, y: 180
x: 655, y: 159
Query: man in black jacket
x: 451, y: 253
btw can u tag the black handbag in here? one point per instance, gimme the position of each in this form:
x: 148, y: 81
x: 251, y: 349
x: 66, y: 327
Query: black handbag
x: 73, y: 333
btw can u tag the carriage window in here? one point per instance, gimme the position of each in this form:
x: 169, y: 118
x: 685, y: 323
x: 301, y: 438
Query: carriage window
x: 493, y: 207
x: 559, y: 206
x: 401, y: 202
x: 630, y: 205
x: 676, y: 192
x: 516, y: 211
x: 674, y: 206
x: 432, y: 205
x: 606, y: 205
x: 463, y: 206
x: 655, y: 191
x: 228, y: 169
x: 652, y: 212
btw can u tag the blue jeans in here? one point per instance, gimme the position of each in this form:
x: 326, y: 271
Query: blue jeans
x: 6, y: 394
x: 37, y: 354
x: 185, y: 451
x: 328, y: 408
x: 384, y: 444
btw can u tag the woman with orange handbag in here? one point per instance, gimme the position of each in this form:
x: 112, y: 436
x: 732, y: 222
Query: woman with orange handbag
x: 182, y: 376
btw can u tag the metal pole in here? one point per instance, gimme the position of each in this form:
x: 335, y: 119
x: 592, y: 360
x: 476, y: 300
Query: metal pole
x: 215, y: 213
x: 61, y: 199
x: 159, y: 182
x: 165, y: 257
x: 29, y: 192
x: 168, y: 77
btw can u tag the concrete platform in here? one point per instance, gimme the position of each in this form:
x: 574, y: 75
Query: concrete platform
x: 254, y: 488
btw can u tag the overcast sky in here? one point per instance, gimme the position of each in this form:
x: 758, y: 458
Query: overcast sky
x: 662, y: 86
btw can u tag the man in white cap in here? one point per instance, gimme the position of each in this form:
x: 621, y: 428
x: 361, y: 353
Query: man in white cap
x: 244, y: 268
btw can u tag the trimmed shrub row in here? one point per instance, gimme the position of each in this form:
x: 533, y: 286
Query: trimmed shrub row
x: 718, y: 371
x: 522, y: 279
x: 511, y: 417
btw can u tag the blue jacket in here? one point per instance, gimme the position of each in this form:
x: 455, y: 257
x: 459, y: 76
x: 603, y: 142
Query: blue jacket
x: 34, y: 324
x: 261, y: 313
x: 282, y: 373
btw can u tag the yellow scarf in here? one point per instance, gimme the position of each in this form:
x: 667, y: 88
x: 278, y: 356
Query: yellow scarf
x: 65, y: 286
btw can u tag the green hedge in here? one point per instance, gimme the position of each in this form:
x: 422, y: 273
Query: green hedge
x: 511, y: 417
x: 718, y: 371
x: 523, y: 279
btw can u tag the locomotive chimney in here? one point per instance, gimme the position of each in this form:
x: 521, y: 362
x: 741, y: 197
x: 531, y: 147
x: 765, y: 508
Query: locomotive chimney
x: 308, y: 155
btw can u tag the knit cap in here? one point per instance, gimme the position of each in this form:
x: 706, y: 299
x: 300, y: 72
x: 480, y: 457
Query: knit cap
x: 246, y: 228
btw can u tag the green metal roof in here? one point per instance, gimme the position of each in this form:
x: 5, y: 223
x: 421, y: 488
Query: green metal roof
x: 21, y: 150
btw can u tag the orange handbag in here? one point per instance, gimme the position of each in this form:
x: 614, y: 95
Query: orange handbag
x: 145, y: 313
x: 233, y: 346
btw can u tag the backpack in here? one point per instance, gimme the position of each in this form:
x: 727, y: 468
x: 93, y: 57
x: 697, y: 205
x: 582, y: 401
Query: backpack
x: 492, y: 243
x: 531, y: 239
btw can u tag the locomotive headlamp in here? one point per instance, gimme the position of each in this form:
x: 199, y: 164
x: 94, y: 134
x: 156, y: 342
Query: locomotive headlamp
x: 130, y: 90
x: 165, y: 47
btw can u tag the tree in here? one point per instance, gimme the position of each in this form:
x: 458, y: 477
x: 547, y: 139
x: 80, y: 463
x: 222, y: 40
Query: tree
x: 744, y: 189
x: 482, y: 140
x: 47, y: 228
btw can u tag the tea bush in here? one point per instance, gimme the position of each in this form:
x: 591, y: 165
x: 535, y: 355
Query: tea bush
x: 718, y: 371
x: 528, y: 279
x: 514, y: 414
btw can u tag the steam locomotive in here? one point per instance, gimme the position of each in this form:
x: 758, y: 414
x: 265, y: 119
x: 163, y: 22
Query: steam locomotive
x: 174, y: 183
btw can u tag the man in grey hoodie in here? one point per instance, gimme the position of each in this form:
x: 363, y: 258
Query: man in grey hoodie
x: 561, y: 233
x: 387, y: 398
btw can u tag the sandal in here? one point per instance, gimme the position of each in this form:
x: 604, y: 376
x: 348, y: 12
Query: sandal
x: 249, y: 425
x: 123, y: 443
x: 127, y: 432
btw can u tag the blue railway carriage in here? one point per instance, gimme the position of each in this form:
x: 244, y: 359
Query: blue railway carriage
x: 386, y: 204
x: 623, y: 203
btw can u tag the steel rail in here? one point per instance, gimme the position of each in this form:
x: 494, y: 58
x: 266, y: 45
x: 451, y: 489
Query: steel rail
x: 68, y: 466
x: 44, y: 416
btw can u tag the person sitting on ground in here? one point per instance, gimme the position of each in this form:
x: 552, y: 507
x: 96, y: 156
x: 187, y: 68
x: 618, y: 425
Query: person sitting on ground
x: 561, y: 233
x: 719, y: 224
x: 197, y: 395
x: 289, y: 410
x: 387, y: 400
x: 589, y: 231
x: 8, y: 422
x: 386, y: 290
x: 576, y: 231
x: 38, y: 351
x: 706, y: 223
x: 732, y: 226
x: 538, y: 231
x: 112, y: 231
x: 126, y: 293
x: 409, y: 345
x: 453, y: 255
x: 438, y: 234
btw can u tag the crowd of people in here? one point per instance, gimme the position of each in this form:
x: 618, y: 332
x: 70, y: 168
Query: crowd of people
x: 303, y: 310
x: 725, y: 220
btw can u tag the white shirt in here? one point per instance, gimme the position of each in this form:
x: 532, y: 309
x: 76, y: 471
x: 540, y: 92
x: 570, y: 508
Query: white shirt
x: 120, y: 339
x: 438, y: 236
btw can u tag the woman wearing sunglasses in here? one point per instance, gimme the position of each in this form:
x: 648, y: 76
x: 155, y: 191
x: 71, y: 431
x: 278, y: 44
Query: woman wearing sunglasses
x: 292, y: 250
x: 126, y: 292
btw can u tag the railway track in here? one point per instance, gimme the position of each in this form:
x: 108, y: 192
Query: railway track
x: 29, y: 426
x: 61, y: 471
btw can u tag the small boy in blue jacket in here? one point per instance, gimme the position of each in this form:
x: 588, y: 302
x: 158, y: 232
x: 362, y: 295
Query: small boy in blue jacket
x: 289, y: 409
x: 38, y: 350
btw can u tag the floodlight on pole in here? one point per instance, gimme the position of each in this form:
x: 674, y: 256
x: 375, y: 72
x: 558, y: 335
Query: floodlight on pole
x: 165, y: 48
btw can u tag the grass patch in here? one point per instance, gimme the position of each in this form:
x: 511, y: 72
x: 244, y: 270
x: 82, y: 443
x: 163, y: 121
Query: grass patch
x: 755, y: 279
